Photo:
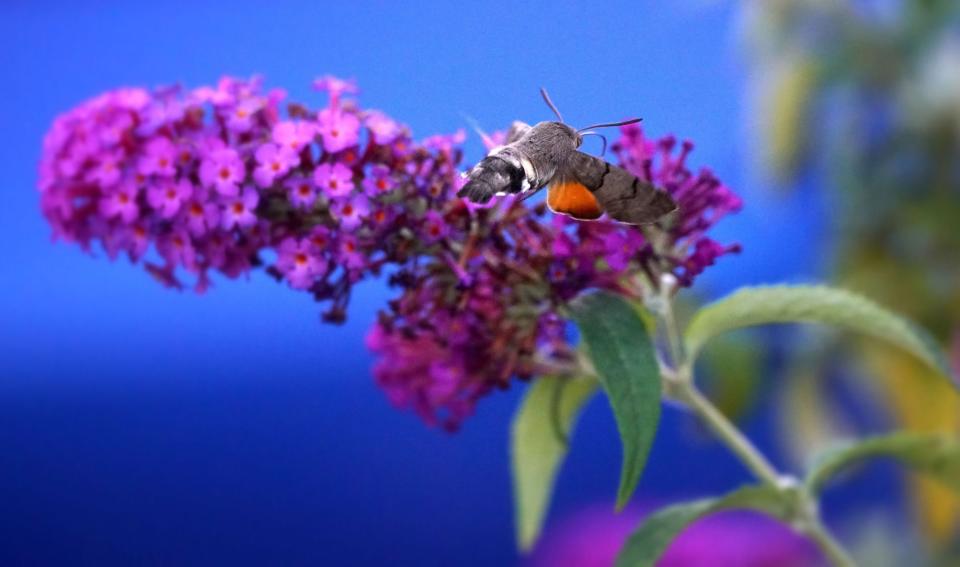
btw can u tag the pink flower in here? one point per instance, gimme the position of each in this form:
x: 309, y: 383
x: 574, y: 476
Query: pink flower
x: 207, y: 94
x: 137, y: 241
x: 336, y: 180
x: 378, y: 181
x: 293, y: 134
x: 239, y: 211
x: 299, y: 262
x: 201, y: 214
x: 301, y: 192
x: 166, y: 196
x: 177, y: 248
x: 222, y: 170
x: 351, y: 212
x: 160, y: 158
x: 445, y: 143
x: 433, y: 227
x: 216, y: 249
x: 335, y: 86
x: 240, y: 118
x: 273, y: 161
x: 349, y: 252
x: 339, y: 129
x: 594, y: 536
x: 619, y: 249
x: 321, y: 239
x: 380, y: 217
x: 383, y: 128
x: 702, y: 200
x: 158, y: 112
x: 441, y: 394
x: 121, y: 202
x: 186, y: 154
x: 115, y: 128
x: 106, y: 170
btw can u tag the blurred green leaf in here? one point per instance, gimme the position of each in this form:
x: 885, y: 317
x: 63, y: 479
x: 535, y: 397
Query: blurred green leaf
x: 537, y: 448
x: 932, y: 454
x: 733, y: 367
x: 626, y: 364
x: 764, y: 305
x: 654, y: 535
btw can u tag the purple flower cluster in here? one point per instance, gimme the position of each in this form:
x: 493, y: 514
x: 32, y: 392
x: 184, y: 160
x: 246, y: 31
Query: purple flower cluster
x: 209, y: 180
x: 701, y: 198
x: 213, y: 177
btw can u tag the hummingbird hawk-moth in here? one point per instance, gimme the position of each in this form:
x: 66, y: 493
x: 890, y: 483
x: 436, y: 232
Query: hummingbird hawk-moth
x: 580, y: 185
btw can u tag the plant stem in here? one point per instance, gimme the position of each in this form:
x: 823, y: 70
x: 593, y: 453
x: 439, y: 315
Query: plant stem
x: 728, y: 434
x: 828, y: 544
x: 754, y: 460
x: 673, y: 330
x: 679, y: 382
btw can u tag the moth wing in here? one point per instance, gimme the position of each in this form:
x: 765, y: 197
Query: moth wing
x: 623, y: 196
x: 570, y: 197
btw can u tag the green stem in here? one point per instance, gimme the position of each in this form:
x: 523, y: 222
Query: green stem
x: 679, y: 382
x: 828, y: 544
x: 674, y: 338
x: 728, y: 433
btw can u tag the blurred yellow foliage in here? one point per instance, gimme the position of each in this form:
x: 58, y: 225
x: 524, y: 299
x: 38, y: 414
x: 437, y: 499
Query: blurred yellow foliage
x: 920, y: 400
x: 783, y: 114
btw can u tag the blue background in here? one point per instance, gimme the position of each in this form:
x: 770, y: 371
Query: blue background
x: 143, y: 425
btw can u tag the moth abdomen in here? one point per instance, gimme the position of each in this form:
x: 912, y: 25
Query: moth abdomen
x: 493, y: 175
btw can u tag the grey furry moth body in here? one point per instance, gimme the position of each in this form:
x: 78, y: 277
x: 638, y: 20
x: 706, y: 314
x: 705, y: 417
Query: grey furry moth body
x: 580, y: 185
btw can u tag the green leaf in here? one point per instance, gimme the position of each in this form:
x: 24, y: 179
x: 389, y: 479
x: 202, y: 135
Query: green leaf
x: 933, y: 454
x: 538, y: 449
x: 654, y: 535
x: 763, y: 305
x: 626, y: 364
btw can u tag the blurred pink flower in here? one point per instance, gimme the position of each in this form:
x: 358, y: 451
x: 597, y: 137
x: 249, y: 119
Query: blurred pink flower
x: 334, y: 179
x: 594, y: 536
x: 223, y: 171
x: 294, y: 135
x: 339, y: 129
x: 273, y: 161
x: 383, y: 128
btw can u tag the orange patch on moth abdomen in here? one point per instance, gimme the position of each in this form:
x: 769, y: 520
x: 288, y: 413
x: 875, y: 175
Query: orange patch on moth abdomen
x: 572, y: 198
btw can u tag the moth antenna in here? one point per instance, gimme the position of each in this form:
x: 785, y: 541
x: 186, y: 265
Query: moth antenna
x: 601, y: 136
x: 487, y: 140
x: 610, y: 124
x: 553, y: 107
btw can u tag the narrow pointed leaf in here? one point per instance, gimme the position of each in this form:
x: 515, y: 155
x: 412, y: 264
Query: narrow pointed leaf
x: 537, y: 448
x: 763, y: 305
x: 653, y: 537
x: 623, y: 356
x: 932, y: 454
